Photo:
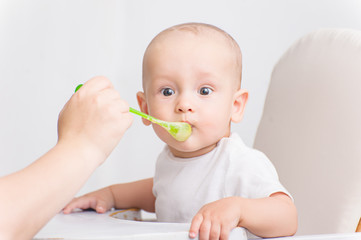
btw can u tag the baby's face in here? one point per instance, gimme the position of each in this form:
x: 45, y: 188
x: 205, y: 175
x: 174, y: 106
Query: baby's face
x: 190, y: 78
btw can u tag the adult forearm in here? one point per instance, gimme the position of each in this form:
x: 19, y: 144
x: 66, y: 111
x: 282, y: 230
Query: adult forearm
x: 33, y: 195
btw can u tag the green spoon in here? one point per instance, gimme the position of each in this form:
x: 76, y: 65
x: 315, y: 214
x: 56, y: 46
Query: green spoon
x: 180, y: 131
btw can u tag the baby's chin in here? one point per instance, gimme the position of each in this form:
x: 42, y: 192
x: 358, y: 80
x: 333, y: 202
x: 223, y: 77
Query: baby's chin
x: 189, y: 148
x: 192, y: 147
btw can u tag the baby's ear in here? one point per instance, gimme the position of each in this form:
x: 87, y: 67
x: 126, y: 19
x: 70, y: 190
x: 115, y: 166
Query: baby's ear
x: 239, y: 103
x: 143, y: 106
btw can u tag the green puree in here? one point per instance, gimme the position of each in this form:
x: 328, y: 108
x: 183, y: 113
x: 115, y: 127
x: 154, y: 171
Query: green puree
x: 180, y: 131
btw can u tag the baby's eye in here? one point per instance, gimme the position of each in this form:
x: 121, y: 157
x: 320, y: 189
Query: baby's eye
x: 167, y: 92
x: 205, y: 91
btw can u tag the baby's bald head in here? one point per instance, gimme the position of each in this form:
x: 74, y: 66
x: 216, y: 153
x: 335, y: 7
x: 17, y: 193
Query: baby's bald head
x: 200, y: 29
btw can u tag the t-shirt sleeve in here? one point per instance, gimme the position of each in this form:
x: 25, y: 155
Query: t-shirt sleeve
x: 252, y: 175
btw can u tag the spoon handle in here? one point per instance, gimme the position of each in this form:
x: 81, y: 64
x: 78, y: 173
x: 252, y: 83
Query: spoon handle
x: 143, y: 115
x: 132, y: 110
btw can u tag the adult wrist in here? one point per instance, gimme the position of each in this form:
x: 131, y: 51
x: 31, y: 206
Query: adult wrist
x: 82, y: 150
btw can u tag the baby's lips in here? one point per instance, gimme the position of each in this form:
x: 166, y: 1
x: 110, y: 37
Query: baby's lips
x: 188, y: 123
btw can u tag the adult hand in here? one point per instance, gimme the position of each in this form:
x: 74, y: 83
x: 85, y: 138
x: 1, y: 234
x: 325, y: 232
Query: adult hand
x: 95, y: 118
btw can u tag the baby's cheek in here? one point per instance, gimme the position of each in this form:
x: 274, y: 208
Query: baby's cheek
x: 217, y: 128
x: 215, y: 122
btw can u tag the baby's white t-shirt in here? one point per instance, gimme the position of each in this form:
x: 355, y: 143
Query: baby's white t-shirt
x: 183, y: 185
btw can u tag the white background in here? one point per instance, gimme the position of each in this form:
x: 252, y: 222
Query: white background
x: 49, y: 47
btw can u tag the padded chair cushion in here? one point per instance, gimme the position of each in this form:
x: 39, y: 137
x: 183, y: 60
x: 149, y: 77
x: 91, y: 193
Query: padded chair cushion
x: 311, y: 129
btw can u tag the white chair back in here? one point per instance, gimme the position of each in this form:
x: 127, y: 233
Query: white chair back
x: 311, y: 129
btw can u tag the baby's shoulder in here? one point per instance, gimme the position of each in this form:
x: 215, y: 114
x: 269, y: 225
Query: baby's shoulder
x: 240, y: 156
x: 237, y: 149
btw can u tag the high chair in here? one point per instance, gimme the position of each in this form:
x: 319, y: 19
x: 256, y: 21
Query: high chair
x: 311, y: 129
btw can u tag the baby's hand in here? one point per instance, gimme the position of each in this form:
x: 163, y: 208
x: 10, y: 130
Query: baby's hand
x: 101, y: 201
x: 215, y: 220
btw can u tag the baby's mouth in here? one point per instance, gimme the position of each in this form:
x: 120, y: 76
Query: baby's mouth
x: 189, y: 123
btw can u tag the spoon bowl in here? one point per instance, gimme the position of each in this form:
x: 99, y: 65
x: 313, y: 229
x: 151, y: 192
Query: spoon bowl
x: 180, y: 131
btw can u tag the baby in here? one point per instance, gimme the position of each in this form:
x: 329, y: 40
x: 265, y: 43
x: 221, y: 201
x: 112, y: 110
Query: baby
x: 192, y: 73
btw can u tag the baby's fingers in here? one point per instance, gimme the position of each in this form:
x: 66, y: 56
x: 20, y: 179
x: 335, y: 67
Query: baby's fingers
x: 101, y: 206
x: 215, y: 231
x: 196, y: 223
x: 205, y: 229
x: 75, y: 203
x: 225, y: 232
x: 80, y: 203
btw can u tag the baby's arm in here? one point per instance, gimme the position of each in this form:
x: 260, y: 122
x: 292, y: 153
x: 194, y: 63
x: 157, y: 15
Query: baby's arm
x: 272, y: 216
x: 135, y: 194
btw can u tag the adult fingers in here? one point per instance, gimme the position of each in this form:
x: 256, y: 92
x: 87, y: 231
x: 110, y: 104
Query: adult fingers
x: 96, y: 84
x: 111, y: 96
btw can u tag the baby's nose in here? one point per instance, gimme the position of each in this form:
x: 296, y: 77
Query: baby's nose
x: 185, y: 109
x: 184, y: 106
